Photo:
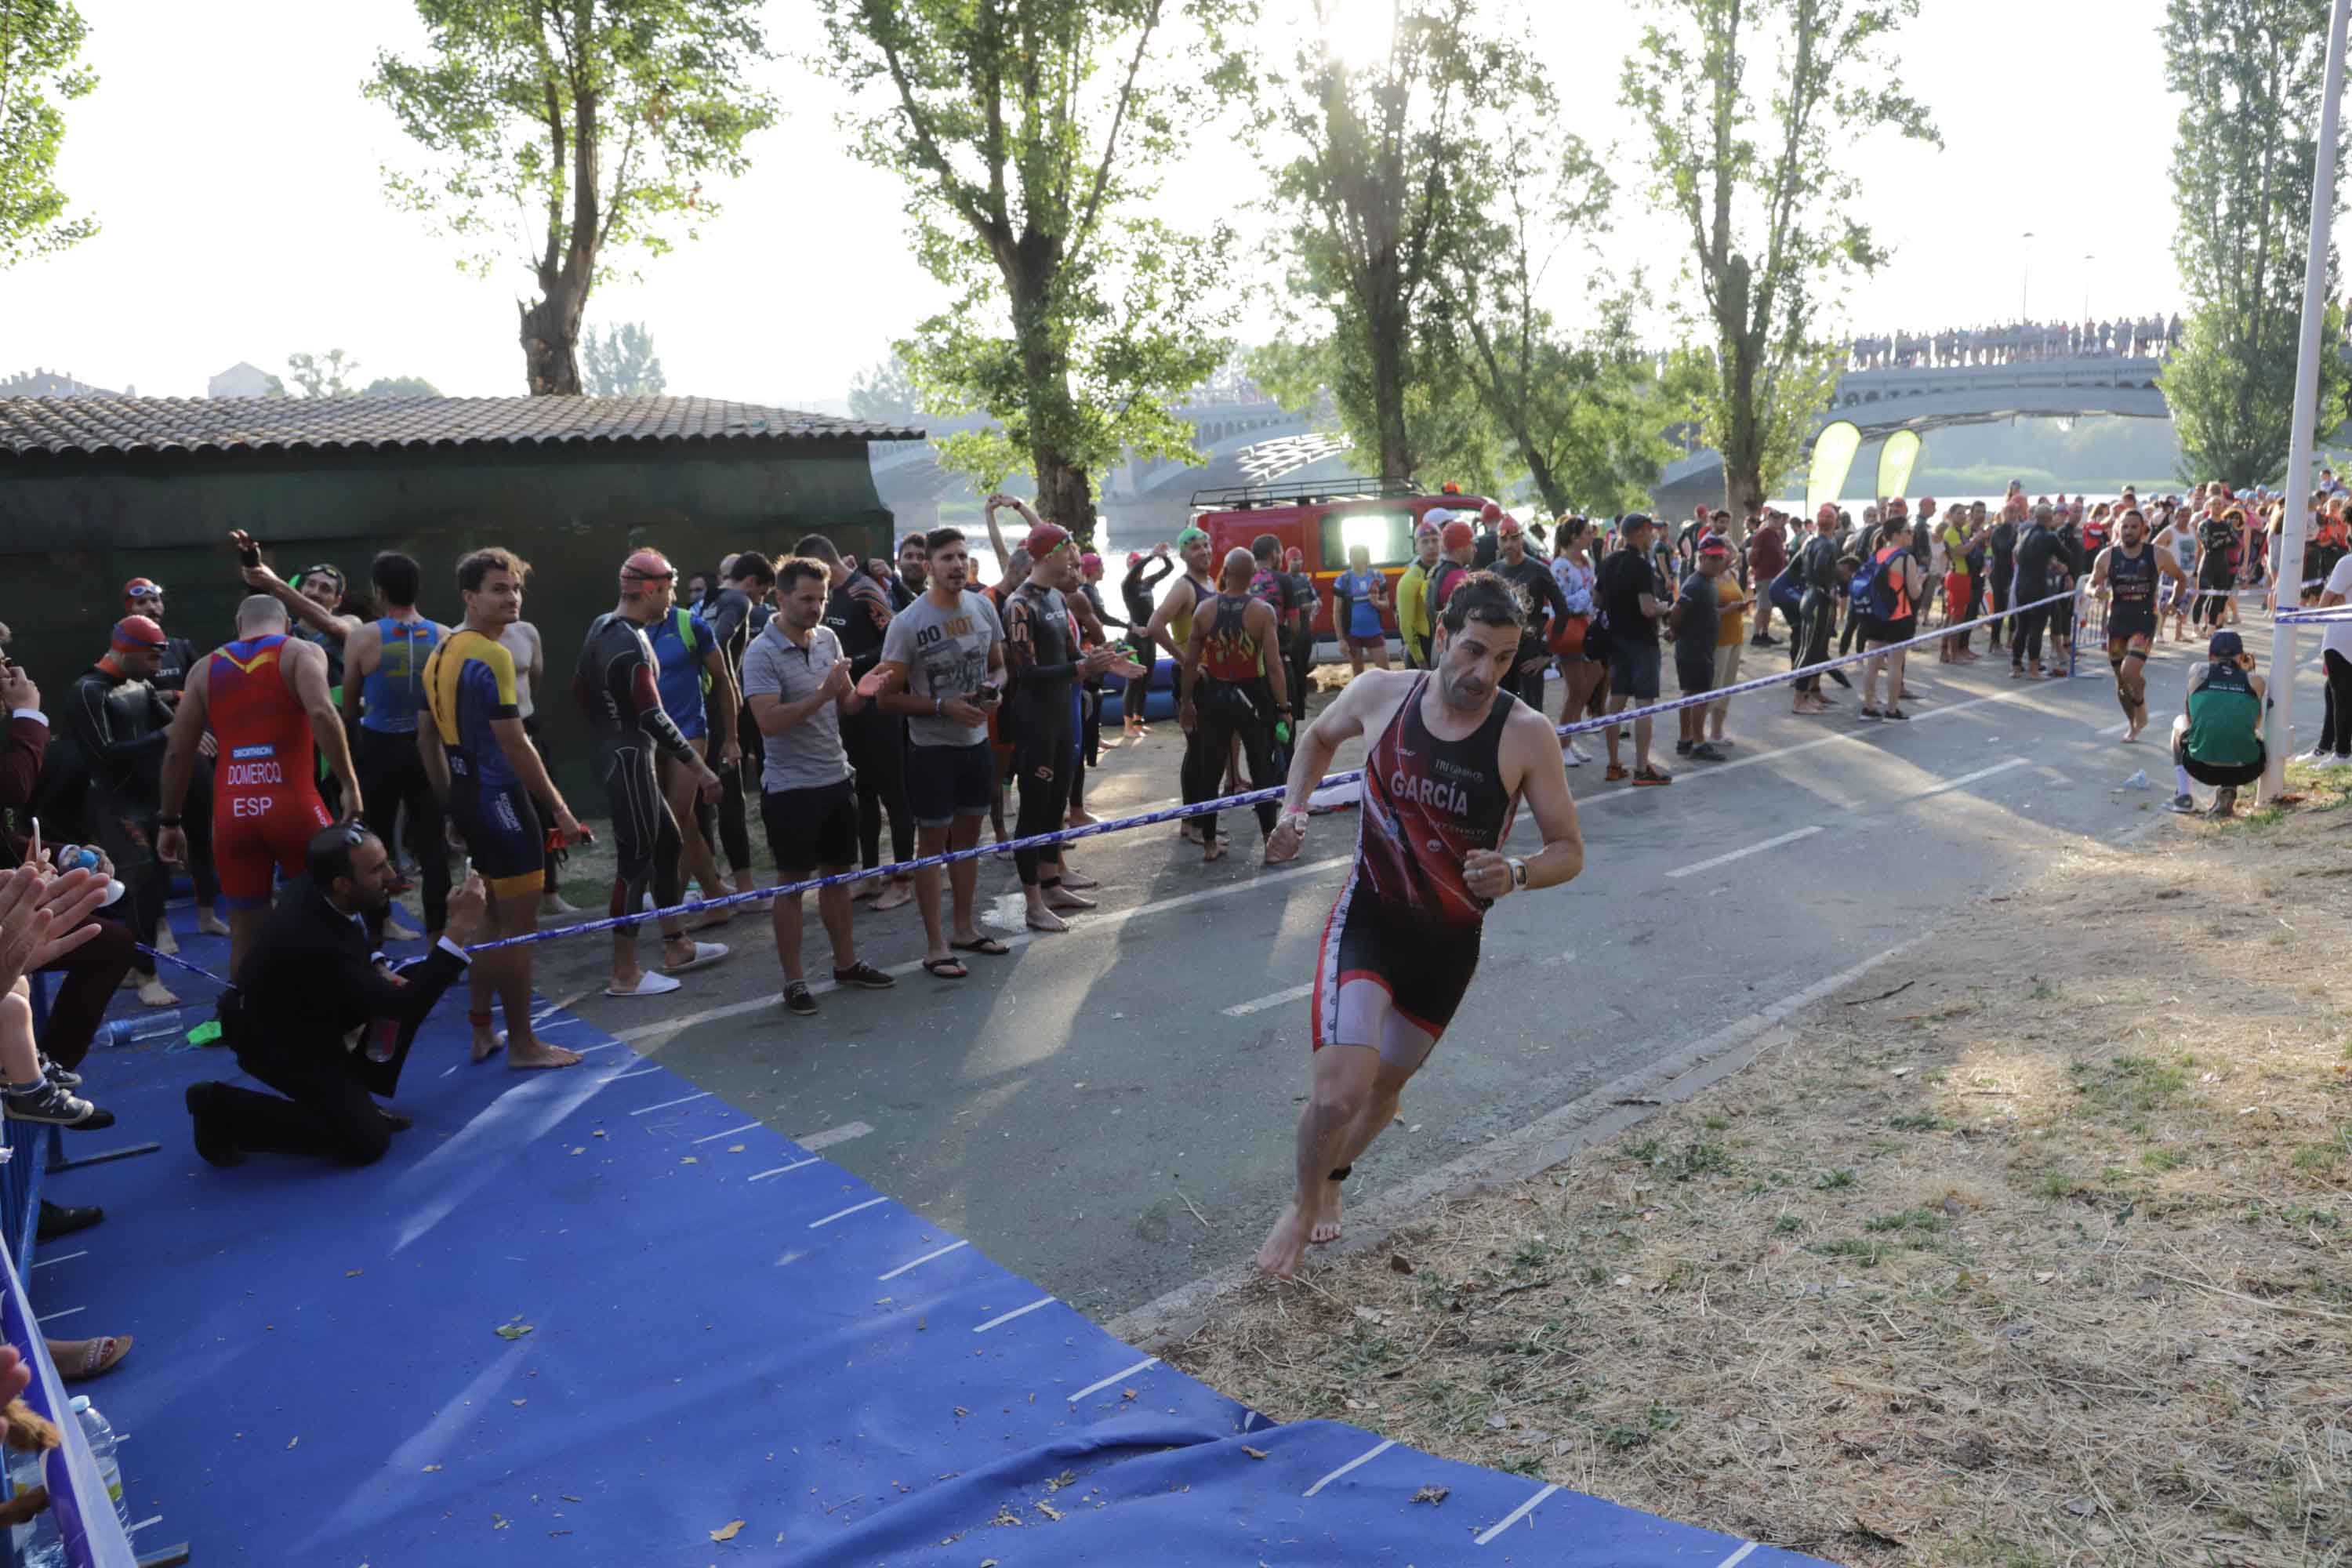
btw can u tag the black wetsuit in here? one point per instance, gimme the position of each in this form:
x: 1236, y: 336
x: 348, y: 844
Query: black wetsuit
x: 179, y: 657
x: 859, y: 613
x: 2040, y: 554
x: 1816, y: 569
x: 729, y: 612
x: 1041, y: 660
x: 1547, y: 607
x: 615, y: 688
x: 1135, y: 592
x: 119, y: 724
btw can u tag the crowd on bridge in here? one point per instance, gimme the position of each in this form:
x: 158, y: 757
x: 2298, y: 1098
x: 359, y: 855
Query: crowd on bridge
x: 2018, y: 343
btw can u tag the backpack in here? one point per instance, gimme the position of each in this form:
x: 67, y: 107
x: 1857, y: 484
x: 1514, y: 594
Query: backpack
x: 685, y: 618
x: 1862, y: 589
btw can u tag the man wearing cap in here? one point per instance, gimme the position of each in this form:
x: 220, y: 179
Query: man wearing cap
x: 1547, y: 608
x: 1490, y: 536
x: 144, y: 596
x: 1631, y: 603
x: 1413, y: 589
x: 1458, y: 546
x: 2217, y: 738
x: 121, y: 722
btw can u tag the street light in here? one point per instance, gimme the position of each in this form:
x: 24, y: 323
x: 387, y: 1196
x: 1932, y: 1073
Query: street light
x: 2025, y: 280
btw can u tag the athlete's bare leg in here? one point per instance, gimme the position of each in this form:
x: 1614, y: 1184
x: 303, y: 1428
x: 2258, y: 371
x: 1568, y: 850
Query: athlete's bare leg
x: 507, y: 972
x: 680, y: 785
x: 1378, y: 1111
x: 1344, y: 1076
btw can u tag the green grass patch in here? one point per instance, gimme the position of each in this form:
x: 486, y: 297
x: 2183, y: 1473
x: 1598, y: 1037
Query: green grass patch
x: 1926, y: 1221
x: 1830, y: 1181
x: 2160, y: 1159
x: 1919, y: 1122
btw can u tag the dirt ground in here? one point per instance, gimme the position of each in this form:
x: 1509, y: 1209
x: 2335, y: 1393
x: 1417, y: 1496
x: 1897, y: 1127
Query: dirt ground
x: 2028, y: 1248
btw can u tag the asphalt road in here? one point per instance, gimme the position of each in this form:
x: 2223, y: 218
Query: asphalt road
x: 1110, y: 1110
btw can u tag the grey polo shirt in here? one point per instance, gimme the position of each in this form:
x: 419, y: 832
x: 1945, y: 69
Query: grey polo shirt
x: 810, y: 754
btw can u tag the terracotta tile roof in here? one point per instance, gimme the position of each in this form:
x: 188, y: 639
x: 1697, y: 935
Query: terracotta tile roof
x: 31, y: 426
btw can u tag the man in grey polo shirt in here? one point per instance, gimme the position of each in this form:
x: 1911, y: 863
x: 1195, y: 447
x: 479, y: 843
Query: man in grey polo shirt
x: 796, y: 682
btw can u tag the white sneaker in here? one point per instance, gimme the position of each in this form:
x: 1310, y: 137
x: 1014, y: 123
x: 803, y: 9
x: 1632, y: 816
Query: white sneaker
x: 2331, y: 760
x: 1570, y: 757
x: 649, y: 983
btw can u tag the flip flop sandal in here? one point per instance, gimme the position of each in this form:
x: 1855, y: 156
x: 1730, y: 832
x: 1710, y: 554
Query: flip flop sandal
x: 987, y: 944
x: 97, y: 1356
x: 706, y: 954
x: 946, y: 968
x: 649, y: 983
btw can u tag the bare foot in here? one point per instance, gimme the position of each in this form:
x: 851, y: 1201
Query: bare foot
x: 1327, y: 1219
x: 1214, y: 850
x: 211, y: 925
x: 540, y: 1054
x: 1279, y: 1255
x: 487, y: 1042
x: 1061, y: 898
x: 893, y: 896
x: 1079, y: 819
x: 1072, y: 878
x: 1046, y: 920
x: 153, y: 993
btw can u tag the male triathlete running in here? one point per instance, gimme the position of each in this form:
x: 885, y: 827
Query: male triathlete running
x: 2125, y: 574
x: 263, y: 699
x: 1233, y: 688
x: 1452, y: 756
x: 616, y: 686
x: 384, y: 691
x: 488, y: 774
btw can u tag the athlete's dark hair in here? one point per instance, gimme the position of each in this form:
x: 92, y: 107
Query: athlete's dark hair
x: 329, y: 854
x: 792, y: 568
x: 473, y: 568
x: 938, y: 538
x: 755, y: 567
x: 396, y: 577
x: 1486, y: 598
x: 1265, y: 547
x: 817, y: 547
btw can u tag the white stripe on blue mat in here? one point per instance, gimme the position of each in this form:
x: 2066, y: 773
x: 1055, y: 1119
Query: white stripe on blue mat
x: 1736, y: 1556
x: 942, y: 1252
x: 151, y: 1519
x: 638, y: 1072
x: 826, y: 1139
x: 664, y: 1105
x: 1515, y: 1515
x: 61, y: 1258
x: 780, y: 1169
x: 1016, y: 1312
x: 1366, y: 1457
x: 844, y: 1214
x: 607, y: 1045
x: 730, y: 1132
x: 1148, y: 1361
x: 1725, y: 859
x: 53, y: 1317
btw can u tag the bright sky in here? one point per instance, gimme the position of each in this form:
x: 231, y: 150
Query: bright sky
x: 235, y: 169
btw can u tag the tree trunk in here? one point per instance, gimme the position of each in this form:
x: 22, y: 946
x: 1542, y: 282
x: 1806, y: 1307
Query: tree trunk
x: 551, y: 342
x: 1547, y: 485
x: 1737, y: 350
x: 1065, y: 492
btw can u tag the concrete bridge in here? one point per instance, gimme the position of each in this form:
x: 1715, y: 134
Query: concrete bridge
x: 1923, y: 398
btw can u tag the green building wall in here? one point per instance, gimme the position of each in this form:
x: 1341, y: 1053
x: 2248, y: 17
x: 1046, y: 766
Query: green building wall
x: 74, y: 528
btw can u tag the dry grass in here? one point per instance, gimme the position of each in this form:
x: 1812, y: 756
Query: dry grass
x: 2040, y: 1261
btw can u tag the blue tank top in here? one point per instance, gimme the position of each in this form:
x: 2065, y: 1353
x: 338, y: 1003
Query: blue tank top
x: 680, y: 677
x: 394, y: 690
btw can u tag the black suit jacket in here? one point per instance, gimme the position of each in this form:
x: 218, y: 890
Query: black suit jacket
x: 312, y: 980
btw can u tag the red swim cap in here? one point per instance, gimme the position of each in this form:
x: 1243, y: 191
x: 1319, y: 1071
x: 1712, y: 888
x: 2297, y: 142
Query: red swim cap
x: 1043, y: 540
x: 1090, y: 560
x: 1294, y: 557
x: 132, y: 632
x: 1457, y: 536
x: 1489, y: 512
x: 1134, y: 559
x: 645, y: 566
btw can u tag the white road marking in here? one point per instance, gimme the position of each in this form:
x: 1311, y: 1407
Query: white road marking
x: 151, y: 1519
x: 1366, y: 1457
x: 1969, y: 778
x: 1016, y: 1312
x: 1148, y: 1361
x: 1515, y: 1515
x: 1259, y: 1005
x: 635, y: 1072
x: 1737, y: 1557
x: 844, y: 1214
x: 664, y: 1105
x: 942, y: 1252
x: 1725, y: 859
x: 780, y: 1169
x: 53, y: 1317
x: 730, y: 1132
x: 1099, y: 923
x: 62, y: 1258
x: 813, y: 1142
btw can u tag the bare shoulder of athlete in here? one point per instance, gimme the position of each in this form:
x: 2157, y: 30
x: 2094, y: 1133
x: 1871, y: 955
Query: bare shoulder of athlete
x: 1370, y: 701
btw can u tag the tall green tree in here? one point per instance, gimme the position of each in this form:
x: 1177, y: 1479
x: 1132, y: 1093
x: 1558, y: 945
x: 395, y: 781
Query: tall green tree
x: 1585, y: 411
x: 1032, y: 136
x: 1373, y: 160
x: 328, y: 374
x: 400, y: 386
x: 2251, y: 73
x: 620, y: 363
x: 885, y: 392
x: 40, y: 68
x: 1752, y: 109
x: 574, y: 133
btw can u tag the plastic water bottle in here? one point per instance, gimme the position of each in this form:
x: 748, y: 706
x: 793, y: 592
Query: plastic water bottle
x: 100, y: 1434
x: 145, y: 1026
x: 37, y: 1541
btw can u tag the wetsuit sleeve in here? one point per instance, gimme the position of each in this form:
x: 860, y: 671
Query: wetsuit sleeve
x: 94, y: 727
x: 1155, y: 568
x: 727, y: 616
x: 1102, y: 611
x: 629, y: 678
x: 1021, y: 648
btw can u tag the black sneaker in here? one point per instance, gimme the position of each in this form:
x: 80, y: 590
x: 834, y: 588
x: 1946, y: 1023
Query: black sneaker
x: 212, y: 1142
x: 864, y: 976
x: 64, y: 1078
x: 1704, y: 751
x: 1682, y: 748
x: 799, y: 1001
x: 64, y: 1219
x: 45, y: 1102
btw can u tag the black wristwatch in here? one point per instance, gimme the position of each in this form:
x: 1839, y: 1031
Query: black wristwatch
x: 167, y: 822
